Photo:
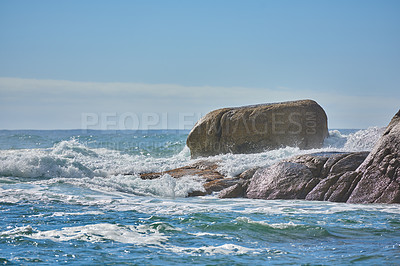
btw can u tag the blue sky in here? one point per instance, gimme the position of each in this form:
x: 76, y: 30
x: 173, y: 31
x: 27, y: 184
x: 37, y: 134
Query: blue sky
x: 63, y: 60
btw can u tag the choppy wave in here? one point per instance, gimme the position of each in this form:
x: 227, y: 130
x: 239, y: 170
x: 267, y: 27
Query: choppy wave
x: 141, y: 235
x: 361, y: 140
x: 71, y: 159
x: 77, y: 203
x: 209, y: 228
x: 205, y: 227
x: 72, y: 162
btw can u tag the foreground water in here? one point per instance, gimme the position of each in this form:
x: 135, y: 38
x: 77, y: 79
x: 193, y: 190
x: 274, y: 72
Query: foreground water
x: 74, y: 197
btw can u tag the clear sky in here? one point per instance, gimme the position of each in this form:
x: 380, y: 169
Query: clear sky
x: 67, y: 64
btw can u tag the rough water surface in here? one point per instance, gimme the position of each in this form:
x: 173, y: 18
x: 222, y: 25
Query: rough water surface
x: 65, y: 198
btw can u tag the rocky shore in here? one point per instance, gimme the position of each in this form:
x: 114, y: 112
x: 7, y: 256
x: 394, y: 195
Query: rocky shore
x: 353, y: 177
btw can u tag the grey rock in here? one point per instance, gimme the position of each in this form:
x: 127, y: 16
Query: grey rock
x: 330, y: 162
x: 320, y: 176
x: 337, y: 182
x: 247, y: 174
x: 354, y: 177
x: 358, y: 177
x: 320, y: 191
x: 347, y: 163
x: 235, y: 191
x: 340, y: 192
x: 257, y: 128
x: 284, y: 180
x: 379, y: 174
x: 314, y: 162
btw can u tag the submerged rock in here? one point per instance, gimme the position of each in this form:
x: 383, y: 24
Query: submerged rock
x: 205, y: 169
x: 214, y: 181
x: 257, y: 128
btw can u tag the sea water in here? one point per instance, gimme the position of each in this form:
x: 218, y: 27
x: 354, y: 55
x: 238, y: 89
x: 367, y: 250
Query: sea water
x: 75, y: 197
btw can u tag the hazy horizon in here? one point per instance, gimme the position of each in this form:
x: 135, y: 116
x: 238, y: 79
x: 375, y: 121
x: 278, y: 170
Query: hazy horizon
x: 62, y: 61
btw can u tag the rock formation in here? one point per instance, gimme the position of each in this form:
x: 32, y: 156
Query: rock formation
x: 310, y: 176
x: 339, y: 177
x: 353, y: 177
x: 379, y: 174
x: 257, y: 128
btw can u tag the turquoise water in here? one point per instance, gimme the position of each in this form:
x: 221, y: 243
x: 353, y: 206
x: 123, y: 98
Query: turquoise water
x: 74, y: 197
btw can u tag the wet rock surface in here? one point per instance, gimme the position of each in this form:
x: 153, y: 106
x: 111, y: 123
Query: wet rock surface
x: 214, y: 181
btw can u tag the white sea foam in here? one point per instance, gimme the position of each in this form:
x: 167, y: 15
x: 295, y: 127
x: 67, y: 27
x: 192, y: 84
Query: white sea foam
x: 141, y: 235
x: 17, y: 231
x: 201, y: 234
x: 71, y: 162
x: 72, y: 159
x: 87, y: 194
x: 362, y: 140
x: 58, y: 214
x: 335, y: 139
x: 165, y: 186
x: 138, y: 235
x: 267, y: 224
x: 225, y: 249
x: 234, y: 164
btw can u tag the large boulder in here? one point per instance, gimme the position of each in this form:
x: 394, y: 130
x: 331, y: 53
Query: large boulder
x: 312, y: 176
x: 379, y: 175
x: 257, y: 128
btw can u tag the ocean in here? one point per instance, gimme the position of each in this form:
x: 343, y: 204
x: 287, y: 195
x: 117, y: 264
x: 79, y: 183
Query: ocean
x: 74, y: 197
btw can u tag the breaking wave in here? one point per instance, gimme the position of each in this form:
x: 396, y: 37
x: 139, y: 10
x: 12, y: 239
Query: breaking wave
x: 73, y: 162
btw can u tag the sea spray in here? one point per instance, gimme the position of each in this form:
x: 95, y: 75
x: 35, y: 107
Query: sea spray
x: 78, y: 199
x: 115, y: 170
